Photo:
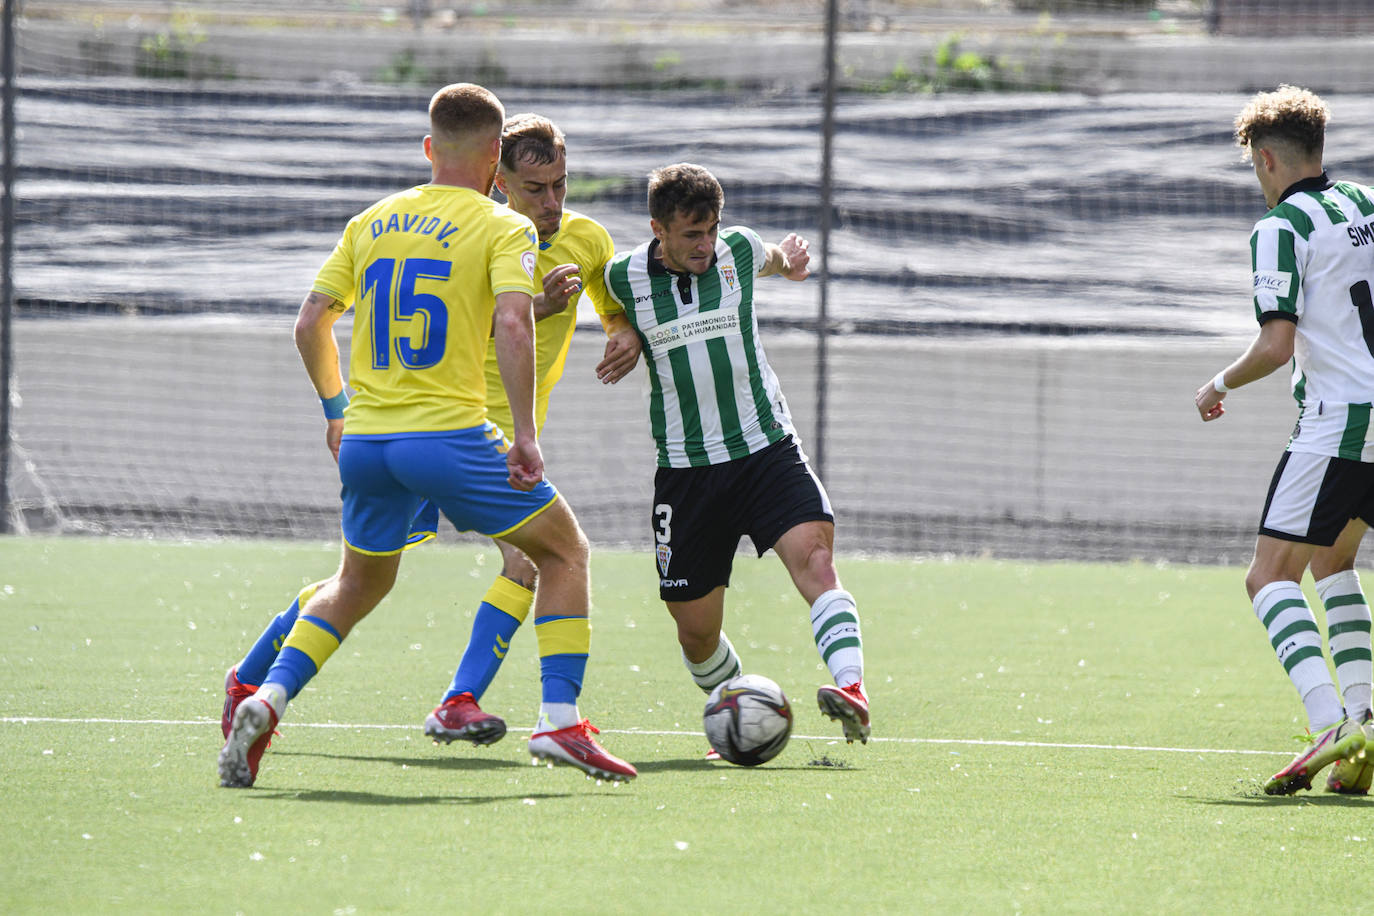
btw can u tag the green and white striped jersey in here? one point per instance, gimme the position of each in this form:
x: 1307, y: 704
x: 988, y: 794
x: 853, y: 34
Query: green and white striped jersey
x: 1313, y: 261
x: 712, y: 395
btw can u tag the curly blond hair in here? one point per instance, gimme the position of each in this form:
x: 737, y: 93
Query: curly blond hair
x: 1289, y: 115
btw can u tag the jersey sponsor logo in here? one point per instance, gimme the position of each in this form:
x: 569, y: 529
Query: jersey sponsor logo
x: 527, y: 261
x: 692, y: 328
x: 665, y: 556
x: 1277, y: 282
x: 657, y: 294
x: 1362, y: 234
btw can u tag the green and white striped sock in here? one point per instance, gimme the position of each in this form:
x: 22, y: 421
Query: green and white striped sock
x: 835, y: 624
x: 1293, y: 633
x: 720, y: 667
x: 1347, y: 632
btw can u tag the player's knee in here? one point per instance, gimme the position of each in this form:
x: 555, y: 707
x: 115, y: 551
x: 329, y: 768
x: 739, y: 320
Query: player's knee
x: 577, y: 551
x: 364, y: 587
x: 567, y: 552
x: 698, y: 642
x: 1257, y: 577
x: 1328, y: 564
x: 819, y: 566
x: 522, y: 572
x: 517, y: 567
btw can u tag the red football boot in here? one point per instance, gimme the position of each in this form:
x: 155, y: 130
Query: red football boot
x: 575, y: 745
x: 849, y: 706
x: 461, y: 717
x: 249, y: 735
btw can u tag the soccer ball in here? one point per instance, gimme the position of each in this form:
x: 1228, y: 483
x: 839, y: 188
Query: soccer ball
x: 748, y: 720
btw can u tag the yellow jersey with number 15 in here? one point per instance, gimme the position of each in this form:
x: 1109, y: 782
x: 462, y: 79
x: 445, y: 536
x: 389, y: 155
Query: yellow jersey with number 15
x: 422, y: 270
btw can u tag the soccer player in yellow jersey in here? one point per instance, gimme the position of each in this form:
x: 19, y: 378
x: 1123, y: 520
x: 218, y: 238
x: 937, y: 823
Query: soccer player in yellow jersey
x: 573, y: 251
x: 431, y: 273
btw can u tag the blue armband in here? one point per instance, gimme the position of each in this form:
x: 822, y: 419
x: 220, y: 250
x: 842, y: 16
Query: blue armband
x: 334, y: 407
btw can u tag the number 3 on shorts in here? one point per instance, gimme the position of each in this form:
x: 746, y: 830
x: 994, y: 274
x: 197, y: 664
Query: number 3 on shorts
x: 663, y: 513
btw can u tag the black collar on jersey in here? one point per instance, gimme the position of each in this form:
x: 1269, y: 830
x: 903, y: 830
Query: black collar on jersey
x: 1313, y: 183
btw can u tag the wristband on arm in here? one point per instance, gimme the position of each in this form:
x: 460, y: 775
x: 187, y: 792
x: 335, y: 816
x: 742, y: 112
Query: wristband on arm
x: 1219, y: 382
x: 334, y: 407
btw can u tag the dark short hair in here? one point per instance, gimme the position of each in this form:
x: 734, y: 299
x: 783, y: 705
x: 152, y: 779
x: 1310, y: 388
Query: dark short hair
x: 684, y: 188
x: 1288, y: 115
x: 461, y: 109
x: 530, y: 138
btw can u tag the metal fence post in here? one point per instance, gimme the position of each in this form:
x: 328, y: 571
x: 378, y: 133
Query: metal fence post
x: 6, y: 262
x: 827, y: 191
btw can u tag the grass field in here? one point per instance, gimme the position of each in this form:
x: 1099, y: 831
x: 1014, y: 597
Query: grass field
x: 1047, y: 739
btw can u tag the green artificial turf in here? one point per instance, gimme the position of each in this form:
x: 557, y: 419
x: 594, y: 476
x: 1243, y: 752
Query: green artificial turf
x: 1047, y: 738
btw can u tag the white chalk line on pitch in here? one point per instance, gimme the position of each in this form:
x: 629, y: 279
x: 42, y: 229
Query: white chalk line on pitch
x: 966, y: 742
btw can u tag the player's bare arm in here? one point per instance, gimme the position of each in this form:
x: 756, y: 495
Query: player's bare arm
x: 623, y: 346
x: 314, y: 333
x: 1271, y: 348
x: 789, y: 258
x: 560, y: 285
x: 513, y: 328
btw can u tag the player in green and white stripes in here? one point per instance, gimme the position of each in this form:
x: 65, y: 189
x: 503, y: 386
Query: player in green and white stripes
x: 1313, y: 262
x: 729, y: 460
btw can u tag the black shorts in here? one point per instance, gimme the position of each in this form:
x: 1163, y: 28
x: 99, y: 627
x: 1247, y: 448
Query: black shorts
x: 701, y: 513
x: 1312, y: 498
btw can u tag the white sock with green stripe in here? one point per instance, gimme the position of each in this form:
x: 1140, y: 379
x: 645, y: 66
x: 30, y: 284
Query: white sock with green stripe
x: 1293, y: 633
x: 720, y: 667
x: 1347, y: 632
x: 835, y: 624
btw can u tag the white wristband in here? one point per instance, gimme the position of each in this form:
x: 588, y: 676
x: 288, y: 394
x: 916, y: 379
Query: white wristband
x: 1219, y: 382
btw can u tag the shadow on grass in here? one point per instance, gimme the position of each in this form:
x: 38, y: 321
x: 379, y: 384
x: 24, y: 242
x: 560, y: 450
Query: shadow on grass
x: 485, y: 764
x: 349, y: 797
x: 1255, y: 798
x: 439, y: 763
x: 688, y: 764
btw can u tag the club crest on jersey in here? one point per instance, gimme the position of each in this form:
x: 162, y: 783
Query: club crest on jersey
x: 729, y: 274
x: 665, y: 555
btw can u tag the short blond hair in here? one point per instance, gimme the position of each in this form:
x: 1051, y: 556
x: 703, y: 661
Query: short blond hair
x: 1290, y: 116
x: 463, y: 110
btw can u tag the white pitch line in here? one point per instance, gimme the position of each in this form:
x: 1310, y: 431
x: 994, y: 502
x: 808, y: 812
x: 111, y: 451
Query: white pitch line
x: 967, y: 742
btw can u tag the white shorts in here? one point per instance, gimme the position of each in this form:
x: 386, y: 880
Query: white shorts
x: 1312, y: 497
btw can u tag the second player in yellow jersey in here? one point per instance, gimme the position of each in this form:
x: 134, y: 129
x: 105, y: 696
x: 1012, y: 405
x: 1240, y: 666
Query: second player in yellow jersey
x: 582, y: 241
x: 572, y: 254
